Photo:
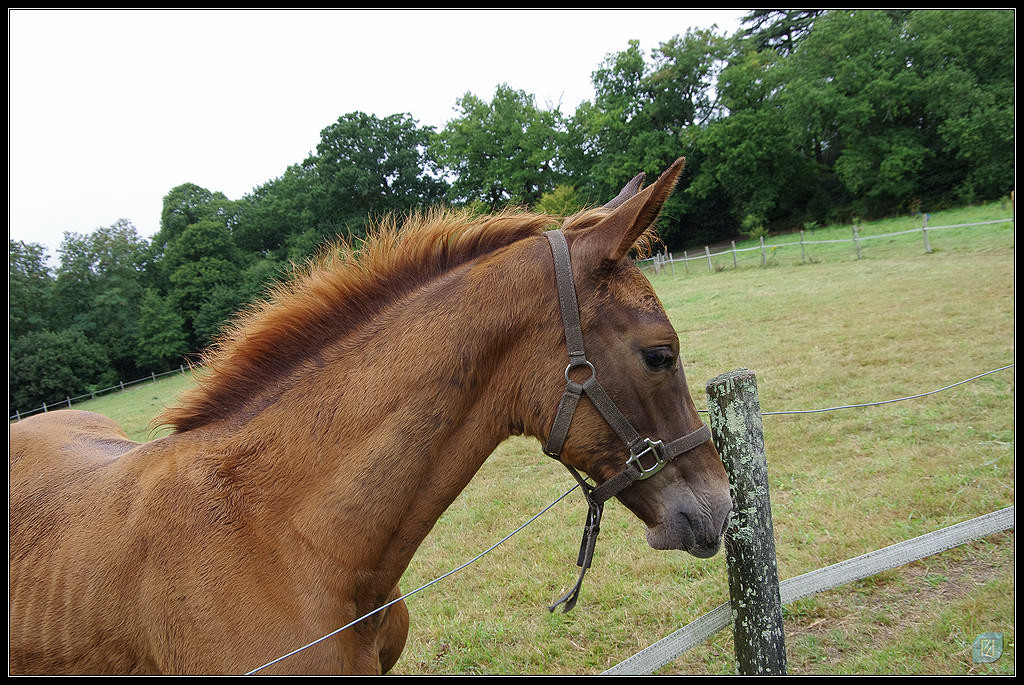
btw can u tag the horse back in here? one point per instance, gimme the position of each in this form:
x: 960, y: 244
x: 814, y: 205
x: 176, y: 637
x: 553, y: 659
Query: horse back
x: 125, y: 559
x: 70, y: 436
x: 52, y: 455
x: 60, y: 524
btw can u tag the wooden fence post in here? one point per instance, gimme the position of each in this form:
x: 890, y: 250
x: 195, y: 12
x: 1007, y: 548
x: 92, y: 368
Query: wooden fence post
x: 735, y: 418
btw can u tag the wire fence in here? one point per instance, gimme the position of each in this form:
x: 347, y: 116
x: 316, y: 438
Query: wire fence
x: 671, y: 647
x: 719, y: 258
x: 657, y: 264
x: 763, y: 652
x: 799, y: 587
x: 68, y: 401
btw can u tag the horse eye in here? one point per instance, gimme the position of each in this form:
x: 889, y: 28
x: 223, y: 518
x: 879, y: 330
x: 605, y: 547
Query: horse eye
x: 659, y: 358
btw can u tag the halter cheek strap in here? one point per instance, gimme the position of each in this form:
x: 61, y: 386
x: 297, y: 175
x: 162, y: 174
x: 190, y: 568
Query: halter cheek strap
x: 646, y: 456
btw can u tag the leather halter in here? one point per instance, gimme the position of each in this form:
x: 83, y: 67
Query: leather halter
x: 646, y: 456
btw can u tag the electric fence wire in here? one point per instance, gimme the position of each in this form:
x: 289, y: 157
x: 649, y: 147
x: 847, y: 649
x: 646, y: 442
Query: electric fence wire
x: 568, y: 492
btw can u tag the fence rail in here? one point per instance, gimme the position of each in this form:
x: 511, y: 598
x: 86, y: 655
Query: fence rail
x: 68, y: 401
x: 660, y: 262
x: 671, y: 647
x: 736, y: 426
x: 734, y: 409
x: 656, y: 263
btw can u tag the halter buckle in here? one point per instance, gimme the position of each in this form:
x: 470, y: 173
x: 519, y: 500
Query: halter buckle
x: 653, y: 447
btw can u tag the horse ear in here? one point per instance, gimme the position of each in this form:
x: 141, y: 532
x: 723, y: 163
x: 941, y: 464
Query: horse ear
x: 614, y: 236
x: 628, y: 191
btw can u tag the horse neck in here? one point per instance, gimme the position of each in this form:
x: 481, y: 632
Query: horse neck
x: 382, y: 435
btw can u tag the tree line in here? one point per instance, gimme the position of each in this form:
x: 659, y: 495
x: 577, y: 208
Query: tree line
x: 801, y: 116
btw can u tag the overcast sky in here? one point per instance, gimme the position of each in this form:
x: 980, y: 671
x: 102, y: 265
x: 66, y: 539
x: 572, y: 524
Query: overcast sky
x: 110, y: 110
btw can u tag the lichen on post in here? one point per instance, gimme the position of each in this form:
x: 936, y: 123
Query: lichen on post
x: 735, y: 418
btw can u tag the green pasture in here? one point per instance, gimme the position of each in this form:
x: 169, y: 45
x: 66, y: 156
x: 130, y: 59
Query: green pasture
x: 821, y: 332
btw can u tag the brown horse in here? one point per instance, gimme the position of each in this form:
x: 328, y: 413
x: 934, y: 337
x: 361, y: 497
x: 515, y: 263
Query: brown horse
x: 331, y: 428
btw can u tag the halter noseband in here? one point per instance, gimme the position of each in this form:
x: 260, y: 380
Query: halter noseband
x: 640, y: 449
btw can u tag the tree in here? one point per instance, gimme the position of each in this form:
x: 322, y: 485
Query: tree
x: 563, y: 200
x: 224, y: 300
x: 869, y: 105
x: 963, y: 62
x: 161, y: 337
x: 867, y: 112
x: 762, y: 160
x: 367, y: 166
x: 199, y: 262
x: 645, y: 115
x: 502, y: 152
x: 779, y: 31
x: 276, y: 212
x: 614, y: 126
x: 189, y: 204
x: 902, y: 102
x: 30, y: 288
x: 98, y: 289
x: 48, y: 366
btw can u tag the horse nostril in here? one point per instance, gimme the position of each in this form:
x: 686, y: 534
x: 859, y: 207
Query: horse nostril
x: 727, y: 521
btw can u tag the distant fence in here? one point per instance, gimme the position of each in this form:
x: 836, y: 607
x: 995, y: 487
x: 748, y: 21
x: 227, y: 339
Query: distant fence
x: 68, y: 401
x: 658, y: 263
x: 709, y: 257
x: 756, y: 595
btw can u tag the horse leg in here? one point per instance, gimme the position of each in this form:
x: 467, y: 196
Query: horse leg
x: 373, y: 645
x: 393, y: 632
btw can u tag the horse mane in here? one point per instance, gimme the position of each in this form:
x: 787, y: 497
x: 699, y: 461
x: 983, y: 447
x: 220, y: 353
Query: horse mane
x: 341, y: 289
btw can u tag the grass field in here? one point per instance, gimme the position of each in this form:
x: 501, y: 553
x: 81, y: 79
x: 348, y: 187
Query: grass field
x: 833, y: 330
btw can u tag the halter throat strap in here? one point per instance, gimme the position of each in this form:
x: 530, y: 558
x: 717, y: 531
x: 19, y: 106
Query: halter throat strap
x: 647, y: 456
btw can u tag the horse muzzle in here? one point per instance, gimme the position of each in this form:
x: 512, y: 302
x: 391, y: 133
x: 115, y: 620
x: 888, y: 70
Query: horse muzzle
x: 697, y: 534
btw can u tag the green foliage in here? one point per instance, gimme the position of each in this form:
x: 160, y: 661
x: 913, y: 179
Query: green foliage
x: 502, y: 152
x: 30, y: 288
x: 870, y: 110
x: 367, y: 167
x: 98, y: 288
x: 963, y: 60
x: 779, y: 30
x: 277, y: 211
x: 189, y: 204
x: 753, y: 227
x: 200, y: 261
x: 48, y: 366
x: 803, y: 116
x: 644, y: 116
x: 563, y: 200
x: 161, y: 337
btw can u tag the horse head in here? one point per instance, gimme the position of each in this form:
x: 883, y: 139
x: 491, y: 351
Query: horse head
x: 668, y: 472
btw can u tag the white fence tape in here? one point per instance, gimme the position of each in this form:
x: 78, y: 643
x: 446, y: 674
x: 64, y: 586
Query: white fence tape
x: 669, y: 648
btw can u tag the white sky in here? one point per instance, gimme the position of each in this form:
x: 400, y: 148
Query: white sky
x: 110, y: 110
